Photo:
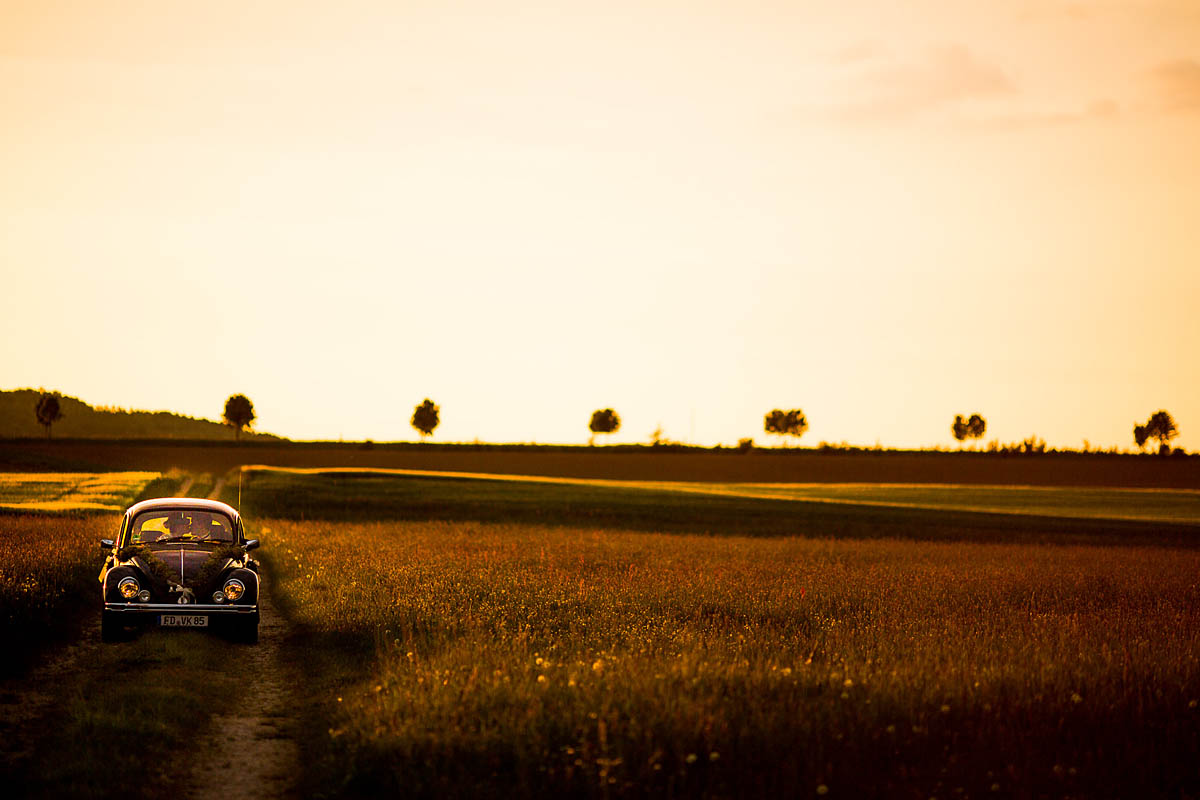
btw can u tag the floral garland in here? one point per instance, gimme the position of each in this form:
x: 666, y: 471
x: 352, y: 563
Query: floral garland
x: 211, y: 570
x: 156, y: 568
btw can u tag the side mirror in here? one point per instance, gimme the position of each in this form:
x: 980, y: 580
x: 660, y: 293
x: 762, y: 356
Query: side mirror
x: 106, y: 544
x: 250, y: 544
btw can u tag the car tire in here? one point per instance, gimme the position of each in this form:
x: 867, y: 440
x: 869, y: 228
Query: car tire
x: 245, y: 631
x: 110, y: 629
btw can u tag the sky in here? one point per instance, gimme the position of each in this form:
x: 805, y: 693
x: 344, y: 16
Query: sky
x: 882, y: 213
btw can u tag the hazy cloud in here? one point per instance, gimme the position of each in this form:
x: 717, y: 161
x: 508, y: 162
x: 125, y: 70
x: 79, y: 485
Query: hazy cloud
x: 1177, y: 85
x: 1042, y: 11
x: 859, y: 52
x: 1097, y: 111
x: 941, y: 76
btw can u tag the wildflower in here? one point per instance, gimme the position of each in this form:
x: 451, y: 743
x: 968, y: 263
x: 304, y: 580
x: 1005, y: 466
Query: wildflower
x: 541, y: 678
x: 714, y: 755
x: 847, y: 683
x: 691, y: 758
x: 1075, y: 698
x: 945, y: 708
x: 597, y: 665
x: 822, y: 789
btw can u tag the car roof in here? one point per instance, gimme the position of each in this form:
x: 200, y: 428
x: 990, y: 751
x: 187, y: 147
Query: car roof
x: 183, y: 503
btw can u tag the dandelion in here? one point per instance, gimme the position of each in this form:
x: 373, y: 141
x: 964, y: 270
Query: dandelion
x: 597, y: 665
x: 714, y: 755
x: 1075, y: 698
x: 822, y: 789
x: 541, y: 678
x: 847, y: 683
x: 945, y: 708
x: 691, y: 758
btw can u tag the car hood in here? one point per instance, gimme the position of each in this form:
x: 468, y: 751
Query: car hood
x: 188, y: 562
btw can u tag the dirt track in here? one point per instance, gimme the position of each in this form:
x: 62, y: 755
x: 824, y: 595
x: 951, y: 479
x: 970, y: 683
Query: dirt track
x: 255, y: 743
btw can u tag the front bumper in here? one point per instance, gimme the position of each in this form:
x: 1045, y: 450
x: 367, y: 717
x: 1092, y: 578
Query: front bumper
x: 134, y: 610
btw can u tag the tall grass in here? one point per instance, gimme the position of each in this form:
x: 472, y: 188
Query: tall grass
x: 48, y: 570
x: 495, y: 659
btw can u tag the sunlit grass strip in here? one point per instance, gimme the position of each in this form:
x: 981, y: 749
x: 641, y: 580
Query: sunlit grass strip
x: 66, y: 492
x: 1146, y: 505
x: 536, y: 661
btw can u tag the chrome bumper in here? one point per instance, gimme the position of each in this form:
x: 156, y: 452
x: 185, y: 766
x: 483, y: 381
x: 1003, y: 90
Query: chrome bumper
x: 181, y: 608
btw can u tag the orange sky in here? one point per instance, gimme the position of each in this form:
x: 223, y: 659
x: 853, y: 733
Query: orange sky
x: 882, y: 213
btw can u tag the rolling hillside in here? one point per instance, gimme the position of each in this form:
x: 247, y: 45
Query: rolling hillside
x: 80, y: 420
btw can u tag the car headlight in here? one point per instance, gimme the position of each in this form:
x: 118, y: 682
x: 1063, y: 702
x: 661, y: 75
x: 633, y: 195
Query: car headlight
x: 129, y: 587
x: 234, y: 589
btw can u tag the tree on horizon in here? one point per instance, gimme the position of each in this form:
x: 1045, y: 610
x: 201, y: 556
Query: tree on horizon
x: 970, y: 428
x: 1160, y: 426
x: 48, y: 410
x: 239, y: 414
x: 786, y: 423
x: 604, y: 420
x: 426, y: 417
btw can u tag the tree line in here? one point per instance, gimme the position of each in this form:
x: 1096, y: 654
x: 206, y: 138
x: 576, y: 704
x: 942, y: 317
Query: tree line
x: 239, y: 415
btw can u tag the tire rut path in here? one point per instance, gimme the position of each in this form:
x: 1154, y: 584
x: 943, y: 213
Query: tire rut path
x: 255, y: 742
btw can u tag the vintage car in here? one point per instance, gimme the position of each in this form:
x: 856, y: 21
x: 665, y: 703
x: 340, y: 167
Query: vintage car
x: 180, y: 563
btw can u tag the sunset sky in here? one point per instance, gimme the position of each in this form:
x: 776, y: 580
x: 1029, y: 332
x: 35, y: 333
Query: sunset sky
x: 882, y: 213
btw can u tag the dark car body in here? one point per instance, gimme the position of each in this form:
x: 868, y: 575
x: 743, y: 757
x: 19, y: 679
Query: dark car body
x: 180, y: 562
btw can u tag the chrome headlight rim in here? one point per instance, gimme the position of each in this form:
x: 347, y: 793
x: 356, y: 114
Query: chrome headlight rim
x: 233, y: 590
x: 128, y: 587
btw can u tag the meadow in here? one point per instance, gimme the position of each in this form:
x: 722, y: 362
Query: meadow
x: 67, y: 492
x: 70, y: 708
x: 50, y: 526
x: 452, y: 636
x: 492, y: 638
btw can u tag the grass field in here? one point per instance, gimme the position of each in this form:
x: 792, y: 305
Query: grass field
x: 1146, y: 505
x: 119, y: 711
x: 514, y: 638
x: 492, y: 638
x: 617, y: 463
x: 59, y: 492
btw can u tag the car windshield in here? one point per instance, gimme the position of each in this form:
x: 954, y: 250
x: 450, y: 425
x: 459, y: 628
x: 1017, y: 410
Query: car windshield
x: 180, y: 525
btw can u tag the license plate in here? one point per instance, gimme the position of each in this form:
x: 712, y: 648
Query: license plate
x: 183, y: 621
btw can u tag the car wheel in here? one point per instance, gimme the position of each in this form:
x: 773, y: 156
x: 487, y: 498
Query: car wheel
x: 110, y: 629
x: 246, y: 631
